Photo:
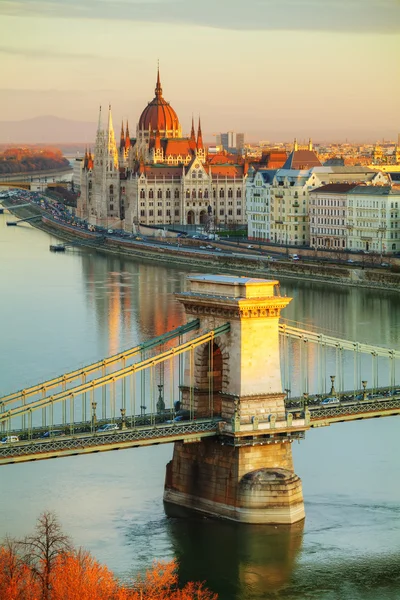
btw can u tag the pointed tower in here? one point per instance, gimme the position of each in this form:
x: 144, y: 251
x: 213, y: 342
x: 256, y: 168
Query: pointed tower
x: 200, y: 150
x: 85, y: 160
x: 295, y: 145
x: 199, y: 138
x: 192, y: 139
x: 127, y: 138
x: 310, y: 144
x: 122, y: 137
x: 111, y: 145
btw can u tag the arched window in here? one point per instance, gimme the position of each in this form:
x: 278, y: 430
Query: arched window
x: 142, y: 194
x: 230, y: 193
x: 214, y: 193
x: 159, y: 194
x: 187, y: 194
x: 168, y: 194
x: 221, y: 193
x: 151, y: 194
x: 205, y: 193
x: 176, y: 194
x: 193, y: 193
x: 200, y: 194
x: 238, y: 193
x: 111, y: 189
x: 90, y: 185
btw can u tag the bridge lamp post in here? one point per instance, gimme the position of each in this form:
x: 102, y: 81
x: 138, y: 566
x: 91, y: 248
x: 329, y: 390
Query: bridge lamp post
x: 123, y: 418
x: 364, y: 384
x: 160, y: 401
x: 305, y: 400
x: 333, y: 391
x: 94, y: 418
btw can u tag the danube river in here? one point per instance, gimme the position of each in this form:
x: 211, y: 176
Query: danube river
x: 59, y: 311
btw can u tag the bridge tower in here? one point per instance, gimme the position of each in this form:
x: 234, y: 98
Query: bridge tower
x: 247, y: 473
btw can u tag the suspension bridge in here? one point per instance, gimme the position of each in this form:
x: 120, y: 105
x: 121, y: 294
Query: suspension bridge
x: 233, y: 380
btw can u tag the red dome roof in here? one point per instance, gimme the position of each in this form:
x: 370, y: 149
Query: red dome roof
x: 158, y: 114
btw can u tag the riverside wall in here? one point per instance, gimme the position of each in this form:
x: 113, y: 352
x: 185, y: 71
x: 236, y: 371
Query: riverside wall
x: 254, y: 267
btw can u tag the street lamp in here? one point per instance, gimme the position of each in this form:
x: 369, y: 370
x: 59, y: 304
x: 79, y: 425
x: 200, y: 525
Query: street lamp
x: 364, y: 384
x: 123, y: 418
x: 333, y: 391
x: 94, y: 418
x: 160, y: 402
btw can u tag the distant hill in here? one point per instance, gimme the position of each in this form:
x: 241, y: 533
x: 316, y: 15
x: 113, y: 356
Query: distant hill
x: 47, y: 130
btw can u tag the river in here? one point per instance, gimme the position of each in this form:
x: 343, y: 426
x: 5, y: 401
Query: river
x: 58, y: 311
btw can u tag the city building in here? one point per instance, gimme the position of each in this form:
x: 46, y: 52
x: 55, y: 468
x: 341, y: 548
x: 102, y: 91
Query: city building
x: 231, y: 141
x: 159, y: 177
x: 277, y: 200
x: 328, y: 216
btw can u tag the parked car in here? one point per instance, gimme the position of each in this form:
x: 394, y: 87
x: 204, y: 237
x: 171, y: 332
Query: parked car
x: 330, y: 400
x: 108, y: 427
x: 10, y: 439
x: 53, y: 433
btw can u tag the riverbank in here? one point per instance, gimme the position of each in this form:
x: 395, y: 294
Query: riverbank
x: 370, y: 278
x: 27, y: 175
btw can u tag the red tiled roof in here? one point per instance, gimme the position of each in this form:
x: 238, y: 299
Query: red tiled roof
x: 302, y: 159
x: 334, y: 188
x: 162, y: 171
x: 227, y: 170
x: 176, y: 147
x: 221, y: 159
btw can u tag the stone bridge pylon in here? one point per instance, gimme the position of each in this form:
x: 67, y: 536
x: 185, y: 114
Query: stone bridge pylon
x: 246, y: 474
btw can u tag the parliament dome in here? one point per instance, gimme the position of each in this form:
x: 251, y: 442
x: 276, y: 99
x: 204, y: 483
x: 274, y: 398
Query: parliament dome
x: 159, y: 115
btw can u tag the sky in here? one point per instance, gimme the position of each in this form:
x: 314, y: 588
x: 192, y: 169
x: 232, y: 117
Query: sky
x: 274, y: 69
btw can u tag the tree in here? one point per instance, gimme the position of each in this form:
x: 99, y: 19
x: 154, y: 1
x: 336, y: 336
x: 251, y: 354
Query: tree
x: 161, y: 583
x: 16, y: 581
x: 78, y: 576
x: 42, y: 549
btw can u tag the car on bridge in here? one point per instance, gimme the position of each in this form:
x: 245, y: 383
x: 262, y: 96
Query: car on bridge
x: 107, y: 427
x: 53, y: 433
x: 330, y: 400
x: 10, y: 439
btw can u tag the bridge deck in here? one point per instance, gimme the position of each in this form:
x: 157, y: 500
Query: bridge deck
x: 85, y: 443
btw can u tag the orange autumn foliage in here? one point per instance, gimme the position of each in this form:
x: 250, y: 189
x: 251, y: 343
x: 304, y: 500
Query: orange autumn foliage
x: 78, y: 576
x: 44, y: 566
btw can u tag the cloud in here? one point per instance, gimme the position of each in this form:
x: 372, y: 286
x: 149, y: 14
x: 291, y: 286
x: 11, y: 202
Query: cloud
x: 374, y: 16
x: 45, y: 53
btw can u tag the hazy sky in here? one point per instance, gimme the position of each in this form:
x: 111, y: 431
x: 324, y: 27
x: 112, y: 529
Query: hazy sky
x: 275, y: 69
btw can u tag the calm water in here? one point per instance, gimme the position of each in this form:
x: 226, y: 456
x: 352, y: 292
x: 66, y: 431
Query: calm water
x: 59, y: 311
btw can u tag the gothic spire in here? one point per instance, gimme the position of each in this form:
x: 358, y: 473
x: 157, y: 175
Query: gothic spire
x: 127, y: 137
x: 122, y: 137
x: 158, y: 89
x: 199, y: 138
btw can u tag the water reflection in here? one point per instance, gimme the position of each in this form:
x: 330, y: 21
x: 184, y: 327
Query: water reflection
x: 238, y: 561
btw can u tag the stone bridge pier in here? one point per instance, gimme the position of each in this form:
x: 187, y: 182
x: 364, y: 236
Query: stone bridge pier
x: 246, y: 473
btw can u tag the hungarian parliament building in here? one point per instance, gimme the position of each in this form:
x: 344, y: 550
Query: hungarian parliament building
x: 159, y: 177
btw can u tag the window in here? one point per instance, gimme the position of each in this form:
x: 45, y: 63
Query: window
x: 176, y: 194
x: 168, y: 194
x: 142, y: 213
x: 239, y: 212
x: 177, y: 212
x: 111, y: 190
x: 142, y: 195
x: 151, y: 194
x: 200, y: 194
x: 159, y: 213
x: 159, y: 194
x: 193, y: 193
x: 205, y: 193
x: 221, y: 193
x: 150, y: 213
x: 221, y: 211
x: 111, y: 206
x: 238, y: 193
x: 187, y: 194
x: 230, y: 193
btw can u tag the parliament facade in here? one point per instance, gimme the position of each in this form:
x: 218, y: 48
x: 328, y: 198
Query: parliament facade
x: 159, y: 177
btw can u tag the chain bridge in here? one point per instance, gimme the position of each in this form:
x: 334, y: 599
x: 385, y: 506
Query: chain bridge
x: 235, y: 385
